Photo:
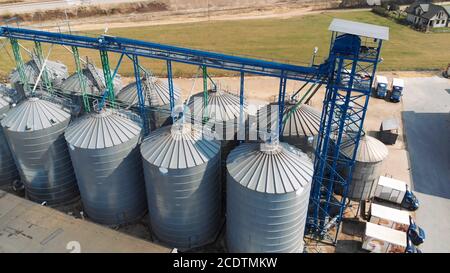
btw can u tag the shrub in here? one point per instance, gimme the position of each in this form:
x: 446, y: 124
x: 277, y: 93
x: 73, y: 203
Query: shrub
x: 380, y: 11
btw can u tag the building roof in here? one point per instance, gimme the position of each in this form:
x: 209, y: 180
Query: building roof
x: 386, y: 234
x: 429, y: 9
x: 447, y: 8
x: 361, y: 29
x: 387, y: 213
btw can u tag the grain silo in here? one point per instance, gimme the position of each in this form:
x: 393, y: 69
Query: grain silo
x: 222, y: 113
x: 369, y: 158
x: 302, y: 123
x: 181, y: 173
x: 94, y: 80
x: 57, y: 73
x: 156, y: 94
x: 8, y: 170
x: 35, y: 133
x: 268, y: 193
x: 104, y: 150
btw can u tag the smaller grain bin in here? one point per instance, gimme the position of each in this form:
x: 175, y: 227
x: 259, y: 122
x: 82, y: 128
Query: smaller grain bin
x: 95, y: 84
x: 267, y: 201
x: 57, y: 73
x: 222, y: 112
x: 369, y: 158
x: 8, y: 170
x: 302, y: 123
x: 104, y: 150
x: 156, y: 95
x: 35, y: 133
x: 183, y: 190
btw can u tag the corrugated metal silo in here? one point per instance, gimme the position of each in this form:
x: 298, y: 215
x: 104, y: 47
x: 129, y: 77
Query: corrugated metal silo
x: 95, y: 84
x: 223, y: 112
x: 104, y: 150
x: 181, y: 173
x: 72, y: 84
x: 8, y: 170
x: 57, y: 73
x: 34, y: 129
x: 156, y: 93
x: 369, y: 158
x: 302, y: 123
x: 268, y: 193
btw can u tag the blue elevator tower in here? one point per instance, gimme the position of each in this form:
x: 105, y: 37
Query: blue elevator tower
x: 352, y: 62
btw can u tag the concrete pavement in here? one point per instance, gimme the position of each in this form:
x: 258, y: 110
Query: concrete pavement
x: 426, y: 119
x: 27, y: 227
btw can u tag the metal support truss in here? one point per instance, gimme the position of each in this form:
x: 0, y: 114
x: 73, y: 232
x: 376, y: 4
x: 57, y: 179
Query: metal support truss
x: 344, y: 108
x: 241, y: 128
x: 142, y: 110
x: 165, y: 52
x: 205, y: 92
x: 107, y: 74
x: 81, y: 79
x: 281, y: 100
x: 40, y: 63
x: 20, y: 65
x: 171, y: 95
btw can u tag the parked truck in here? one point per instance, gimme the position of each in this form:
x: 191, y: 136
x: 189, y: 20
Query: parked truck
x: 396, y: 191
x: 397, y: 88
x: 381, y: 239
x: 381, y: 86
x: 396, y: 219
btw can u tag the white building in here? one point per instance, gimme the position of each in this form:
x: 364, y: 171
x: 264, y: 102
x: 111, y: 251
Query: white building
x: 427, y: 15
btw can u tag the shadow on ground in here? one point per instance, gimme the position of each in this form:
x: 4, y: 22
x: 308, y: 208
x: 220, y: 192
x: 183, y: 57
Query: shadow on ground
x: 428, y: 142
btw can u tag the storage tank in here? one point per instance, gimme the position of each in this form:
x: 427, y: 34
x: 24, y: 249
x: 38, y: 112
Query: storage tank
x: 223, y: 112
x: 302, y: 123
x: 104, y: 150
x: 8, y: 170
x: 367, y: 169
x: 156, y: 94
x: 181, y: 174
x: 268, y: 193
x: 57, y: 73
x: 95, y: 84
x: 34, y: 130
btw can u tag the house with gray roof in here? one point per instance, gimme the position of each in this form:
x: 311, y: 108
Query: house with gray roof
x: 427, y: 15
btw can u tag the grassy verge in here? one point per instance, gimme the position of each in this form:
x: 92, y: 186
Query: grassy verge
x: 288, y: 40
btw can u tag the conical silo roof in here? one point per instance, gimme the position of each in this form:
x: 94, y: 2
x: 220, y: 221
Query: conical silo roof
x: 4, y: 105
x: 35, y: 114
x: 72, y: 84
x: 270, y: 168
x: 178, y: 147
x: 156, y: 93
x: 57, y: 72
x: 370, y: 150
x: 303, y: 121
x: 222, y: 105
x: 103, y: 129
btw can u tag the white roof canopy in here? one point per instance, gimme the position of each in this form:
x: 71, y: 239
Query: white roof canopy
x: 360, y: 29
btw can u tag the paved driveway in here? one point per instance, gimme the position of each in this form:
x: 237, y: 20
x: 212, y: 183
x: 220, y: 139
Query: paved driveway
x: 426, y: 118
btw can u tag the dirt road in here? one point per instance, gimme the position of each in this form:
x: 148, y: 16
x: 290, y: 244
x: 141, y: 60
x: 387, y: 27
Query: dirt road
x: 284, y: 11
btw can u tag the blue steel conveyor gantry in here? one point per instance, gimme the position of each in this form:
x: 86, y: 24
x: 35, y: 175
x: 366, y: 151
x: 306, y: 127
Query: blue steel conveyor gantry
x: 347, y: 73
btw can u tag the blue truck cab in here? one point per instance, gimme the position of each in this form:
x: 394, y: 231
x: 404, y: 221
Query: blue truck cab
x: 397, y: 90
x: 381, y: 86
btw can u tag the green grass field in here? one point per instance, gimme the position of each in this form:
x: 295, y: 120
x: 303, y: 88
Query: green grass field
x: 287, y: 40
